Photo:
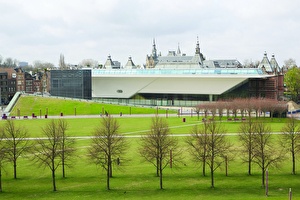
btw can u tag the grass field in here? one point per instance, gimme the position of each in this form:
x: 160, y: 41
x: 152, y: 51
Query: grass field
x: 40, y: 106
x: 136, y: 179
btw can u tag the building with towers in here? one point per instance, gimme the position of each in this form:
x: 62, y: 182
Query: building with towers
x: 177, y: 79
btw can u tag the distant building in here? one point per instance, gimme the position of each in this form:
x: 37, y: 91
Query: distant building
x: 130, y: 64
x: 7, y: 85
x: 109, y: 64
x: 17, y: 80
x: 71, y: 83
x: 269, y: 66
x: 178, y: 60
x: 23, y: 64
x: 177, y: 79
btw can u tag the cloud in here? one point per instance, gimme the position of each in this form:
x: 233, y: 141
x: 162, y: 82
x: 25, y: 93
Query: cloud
x: 42, y: 29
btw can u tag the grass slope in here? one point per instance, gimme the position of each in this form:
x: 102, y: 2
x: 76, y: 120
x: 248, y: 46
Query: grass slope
x: 26, y: 105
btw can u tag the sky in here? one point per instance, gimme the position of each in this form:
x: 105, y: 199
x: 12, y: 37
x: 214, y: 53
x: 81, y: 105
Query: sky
x: 41, y: 30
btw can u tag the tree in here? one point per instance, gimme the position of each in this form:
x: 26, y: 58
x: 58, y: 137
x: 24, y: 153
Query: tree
x: 197, y: 109
x: 199, y: 145
x: 62, y: 64
x: 265, y: 154
x: 89, y: 63
x: 107, y: 146
x: 291, y: 140
x: 48, y: 152
x: 250, y: 64
x: 289, y: 63
x: 39, y: 65
x: 158, y: 148
x: 2, y: 156
x: 10, y: 63
x: 217, y: 147
x: 16, y: 142
x: 246, y: 136
x: 221, y: 106
x: 67, y: 144
x: 292, y: 82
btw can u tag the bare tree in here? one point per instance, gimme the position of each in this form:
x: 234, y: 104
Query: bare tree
x: 197, y: 109
x: 47, y: 151
x: 107, y: 146
x: 290, y: 140
x: 89, y: 63
x: 67, y: 144
x: 221, y: 106
x: 246, y: 136
x: 217, y: 147
x: 156, y: 147
x: 42, y: 65
x: 204, y: 108
x: 9, y: 62
x: 2, y: 156
x: 199, y: 145
x: 250, y: 64
x: 281, y: 108
x: 16, y: 142
x: 62, y: 64
x: 265, y: 154
x: 289, y: 63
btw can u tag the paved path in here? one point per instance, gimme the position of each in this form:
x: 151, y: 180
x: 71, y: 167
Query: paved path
x: 90, y: 116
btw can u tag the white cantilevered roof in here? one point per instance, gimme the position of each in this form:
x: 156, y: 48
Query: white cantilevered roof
x: 126, y: 83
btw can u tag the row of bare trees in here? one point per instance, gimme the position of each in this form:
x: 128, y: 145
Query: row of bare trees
x: 55, y: 150
x: 207, y: 144
x: 242, y: 106
x: 258, y: 146
x: 13, y: 143
x: 52, y: 151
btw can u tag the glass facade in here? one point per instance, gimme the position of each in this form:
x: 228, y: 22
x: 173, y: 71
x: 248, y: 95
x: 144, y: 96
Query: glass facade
x: 71, y: 83
x: 253, y: 71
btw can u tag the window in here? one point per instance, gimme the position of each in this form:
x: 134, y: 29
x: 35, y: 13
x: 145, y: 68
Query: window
x: 55, y: 83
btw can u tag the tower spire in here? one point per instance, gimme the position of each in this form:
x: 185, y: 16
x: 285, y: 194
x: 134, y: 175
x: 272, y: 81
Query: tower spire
x: 154, y: 51
x: 178, y: 50
x: 197, y: 47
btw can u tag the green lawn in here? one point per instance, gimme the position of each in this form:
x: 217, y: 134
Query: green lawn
x: 136, y: 179
x: 40, y: 106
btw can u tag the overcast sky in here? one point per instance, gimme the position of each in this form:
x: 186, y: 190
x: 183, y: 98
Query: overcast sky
x: 93, y: 29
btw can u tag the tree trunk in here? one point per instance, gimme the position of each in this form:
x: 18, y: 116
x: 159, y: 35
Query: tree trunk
x: 110, y: 170
x: 53, y: 179
x: 203, y: 166
x: 15, y: 160
x: 63, y: 161
x: 263, y: 177
x: 212, y: 173
x: 160, y: 174
x: 294, y: 162
x: 212, y: 177
x: 63, y: 168
x: 249, y: 163
x: 226, y: 165
x: 108, y: 177
x: 0, y: 179
x: 15, y: 169
x: 157, y: 167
